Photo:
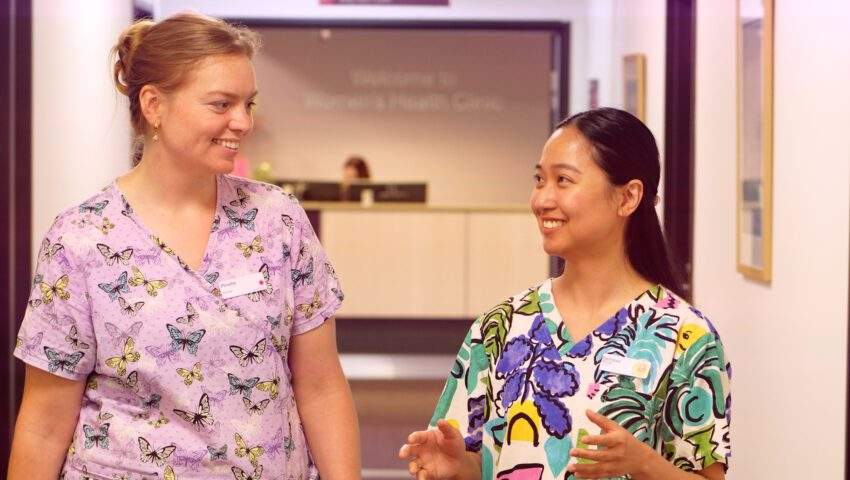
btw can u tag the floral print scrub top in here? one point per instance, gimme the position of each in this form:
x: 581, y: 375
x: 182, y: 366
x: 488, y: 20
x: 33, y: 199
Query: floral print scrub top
x: 182, y: 382
x: 520, y: 385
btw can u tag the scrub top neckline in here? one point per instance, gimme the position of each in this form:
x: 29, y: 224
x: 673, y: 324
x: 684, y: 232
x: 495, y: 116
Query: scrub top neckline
x: 155, y: 240
x: 552, y: 313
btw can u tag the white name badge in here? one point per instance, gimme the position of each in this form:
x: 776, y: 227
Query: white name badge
x: 234, y: 287
x: 625, y: 366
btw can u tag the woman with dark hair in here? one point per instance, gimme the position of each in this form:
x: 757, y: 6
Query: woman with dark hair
x: 355, y: 168
x: 604, y: 371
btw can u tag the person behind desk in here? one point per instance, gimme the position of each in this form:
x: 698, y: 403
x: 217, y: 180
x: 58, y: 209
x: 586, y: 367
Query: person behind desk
x: 354, y: 170
x: 604, y: 371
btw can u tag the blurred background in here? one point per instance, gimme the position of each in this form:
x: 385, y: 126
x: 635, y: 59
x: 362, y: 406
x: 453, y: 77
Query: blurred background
x: 448, y: 103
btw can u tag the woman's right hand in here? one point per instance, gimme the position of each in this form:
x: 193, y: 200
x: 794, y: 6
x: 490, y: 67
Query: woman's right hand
x: 436, y: 454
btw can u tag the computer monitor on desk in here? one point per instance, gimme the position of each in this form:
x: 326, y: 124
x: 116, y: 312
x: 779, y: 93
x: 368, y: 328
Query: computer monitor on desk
x: 390, y: 192
x: 312, y: 191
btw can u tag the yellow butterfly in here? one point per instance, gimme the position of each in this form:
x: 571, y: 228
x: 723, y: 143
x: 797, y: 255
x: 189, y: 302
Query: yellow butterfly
x: 162, y: 420
x: 191, y: 375
x: 168, y: 473
x: 256, y: 245
x: 18, y: 342
x: 91, y: 384
x: 243, y: 450
x: 151, y: 286
x: 280, y: 344
x: 58, y: 288
x: 107, y: 226
x: 309, y: 308
x: 165, y: 248
x: 129, y: 355
x: 270, y: 386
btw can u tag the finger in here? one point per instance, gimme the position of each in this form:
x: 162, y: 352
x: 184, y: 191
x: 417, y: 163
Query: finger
x: 607, y: 440
x: 423, y: 475
x: 410, y: 452
x: 419, y: 437
x: 601, y: 420
x: 405, y: 451
x: 595, y: 455
x: 413, y: 468
x: 449, y: 432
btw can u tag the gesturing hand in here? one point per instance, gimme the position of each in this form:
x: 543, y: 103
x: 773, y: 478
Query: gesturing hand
x: 619, y: 452
x: 436, y: 454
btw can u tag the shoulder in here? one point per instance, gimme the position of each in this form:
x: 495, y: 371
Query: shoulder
x: 525, y: 302
x: 269, y: 198
x: 692, y: 324
x: 79, y: 227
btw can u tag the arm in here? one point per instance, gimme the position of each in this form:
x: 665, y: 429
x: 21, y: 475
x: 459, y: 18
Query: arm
x: 324, y: 403
x: 45, y: 425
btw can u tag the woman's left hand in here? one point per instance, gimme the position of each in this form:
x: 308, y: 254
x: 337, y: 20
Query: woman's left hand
x: 619, y: 452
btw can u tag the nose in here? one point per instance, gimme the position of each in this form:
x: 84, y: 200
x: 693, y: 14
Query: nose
x: 542, y: 198
x: 242, y: 120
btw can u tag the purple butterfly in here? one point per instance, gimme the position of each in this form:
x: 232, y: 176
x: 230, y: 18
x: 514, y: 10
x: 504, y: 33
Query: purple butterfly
x: 216, y: 398
x: 190, y: 460
x: 30, y: 346
x: 149, y: 256
x: 163, y: 354
x: 120, y: 336
x: 273, y: 448
x: 274, y: 268
x: 228, y: 232
x: 201, y: 301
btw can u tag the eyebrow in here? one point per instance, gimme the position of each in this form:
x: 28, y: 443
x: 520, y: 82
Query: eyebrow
x: 560, y: 166
x: 230, y: 94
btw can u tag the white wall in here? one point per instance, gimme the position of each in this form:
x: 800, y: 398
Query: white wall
x: 787, y: 340
x: 573, y: 11
x: 615, y: 28
x: 80, y: 129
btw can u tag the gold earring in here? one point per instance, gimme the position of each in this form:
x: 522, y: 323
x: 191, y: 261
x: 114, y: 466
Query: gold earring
x: 156, y: 132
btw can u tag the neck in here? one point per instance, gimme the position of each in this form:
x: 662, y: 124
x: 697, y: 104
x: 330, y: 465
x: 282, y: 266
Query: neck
x: 162, y: 181
x: 600, y: 278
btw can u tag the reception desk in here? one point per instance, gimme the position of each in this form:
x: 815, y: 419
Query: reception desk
x: 414, y: 261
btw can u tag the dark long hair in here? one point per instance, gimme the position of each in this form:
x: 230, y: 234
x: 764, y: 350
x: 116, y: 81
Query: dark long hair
x: 626, y: 150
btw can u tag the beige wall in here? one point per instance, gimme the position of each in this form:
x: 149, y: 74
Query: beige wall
x: 787, y: 340
x: 80, y: 129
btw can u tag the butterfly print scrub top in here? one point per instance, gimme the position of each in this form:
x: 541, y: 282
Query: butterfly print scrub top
x: 520, y: 385
x: 182, y: 381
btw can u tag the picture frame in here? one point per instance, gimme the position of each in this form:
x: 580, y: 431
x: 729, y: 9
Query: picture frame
x: 634, y: 85
x: 754, y: 169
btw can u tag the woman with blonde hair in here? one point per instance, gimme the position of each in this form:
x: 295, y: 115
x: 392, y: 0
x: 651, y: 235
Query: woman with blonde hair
x: 181, y: 320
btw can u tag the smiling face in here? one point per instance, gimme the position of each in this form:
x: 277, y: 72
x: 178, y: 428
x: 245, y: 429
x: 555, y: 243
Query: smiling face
x: 577, y: 207
x: 204, y: 121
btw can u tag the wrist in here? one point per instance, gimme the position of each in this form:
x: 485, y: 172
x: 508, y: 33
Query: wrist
x: 646, y: 461
x: 470, y: 467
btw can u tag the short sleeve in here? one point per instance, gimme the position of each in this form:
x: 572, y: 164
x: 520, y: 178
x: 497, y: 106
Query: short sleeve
x: 697, y: 409
x: 464, y: 402
x: 56, y: 332
x: 316, y: 289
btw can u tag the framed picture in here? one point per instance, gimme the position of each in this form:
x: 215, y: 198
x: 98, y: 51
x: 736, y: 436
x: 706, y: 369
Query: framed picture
x: 634, y: 85
x: 755, y: 139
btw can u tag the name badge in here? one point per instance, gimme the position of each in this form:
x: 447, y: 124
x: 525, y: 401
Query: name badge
x: 625, y: 366
x: 234, y: 287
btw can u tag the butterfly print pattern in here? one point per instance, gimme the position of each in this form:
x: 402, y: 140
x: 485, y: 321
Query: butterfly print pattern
x: 193, y: 381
